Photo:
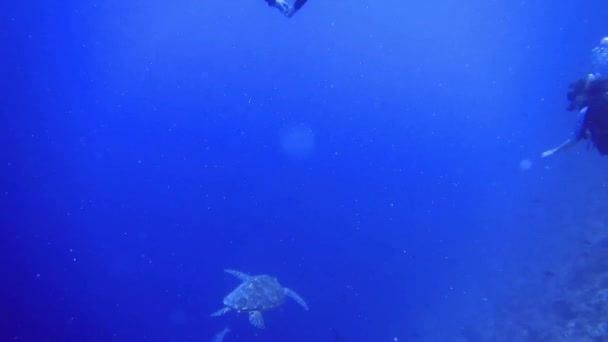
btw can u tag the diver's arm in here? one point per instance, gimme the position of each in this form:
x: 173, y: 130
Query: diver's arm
x: 566, y: 144
x: 579, y: 133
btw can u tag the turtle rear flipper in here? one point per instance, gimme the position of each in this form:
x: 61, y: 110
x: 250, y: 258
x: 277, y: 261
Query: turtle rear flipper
x: 291, y: 294
x: 255, y: 318
x: 242, y: 276
x: 221, y: 312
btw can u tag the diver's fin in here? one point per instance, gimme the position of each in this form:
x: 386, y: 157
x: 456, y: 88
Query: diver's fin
x: 242, y: 276
x: 291, y: 294
x: 221, y: 311
x: 255, y: 318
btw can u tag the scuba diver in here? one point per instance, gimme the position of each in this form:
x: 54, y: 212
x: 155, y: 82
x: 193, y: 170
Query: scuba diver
x: 588, y: 96
x: 285, y: 7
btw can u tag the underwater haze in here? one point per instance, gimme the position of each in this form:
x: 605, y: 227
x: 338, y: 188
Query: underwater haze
x: 381, y: 159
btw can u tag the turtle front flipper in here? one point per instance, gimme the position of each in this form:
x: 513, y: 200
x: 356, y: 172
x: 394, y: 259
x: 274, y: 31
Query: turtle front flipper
x: 221, y: 312
x: 291, y: 294
x: 255, y: 318
x: 242, y: 276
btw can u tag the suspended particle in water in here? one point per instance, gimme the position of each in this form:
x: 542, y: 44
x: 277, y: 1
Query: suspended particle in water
x: 525, y: 164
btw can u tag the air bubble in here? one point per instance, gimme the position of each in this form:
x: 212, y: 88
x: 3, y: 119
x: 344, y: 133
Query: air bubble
x: 599, y: 57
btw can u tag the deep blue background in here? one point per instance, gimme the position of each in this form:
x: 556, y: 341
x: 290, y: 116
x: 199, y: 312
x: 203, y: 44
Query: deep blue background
x: 144, y: 152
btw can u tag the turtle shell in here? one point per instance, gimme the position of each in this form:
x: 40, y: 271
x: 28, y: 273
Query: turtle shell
x: 261, y: 292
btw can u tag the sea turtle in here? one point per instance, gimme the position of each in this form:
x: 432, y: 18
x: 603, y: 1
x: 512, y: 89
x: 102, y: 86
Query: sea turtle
x: 256, y: 294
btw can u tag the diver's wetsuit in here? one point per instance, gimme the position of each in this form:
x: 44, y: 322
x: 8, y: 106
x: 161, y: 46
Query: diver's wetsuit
x: 298, y: 4
x: 593, y: 118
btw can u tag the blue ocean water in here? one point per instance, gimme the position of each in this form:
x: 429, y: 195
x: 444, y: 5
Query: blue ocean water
x: 382, y: 159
